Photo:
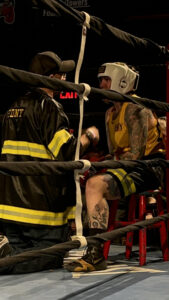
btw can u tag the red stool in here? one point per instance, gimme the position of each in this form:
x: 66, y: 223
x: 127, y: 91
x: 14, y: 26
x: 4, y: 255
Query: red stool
x: 141, y: 198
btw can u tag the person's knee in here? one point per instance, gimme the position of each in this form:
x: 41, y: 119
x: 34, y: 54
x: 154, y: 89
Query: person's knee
x: 95, y: 183
x: 104, y: 185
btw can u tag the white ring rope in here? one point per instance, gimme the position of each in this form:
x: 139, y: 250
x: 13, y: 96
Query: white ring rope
x: 81, y: 239
x: 86, y: 25
x: 86, y: 165
x: 78, y: 212
x: 82, y: 97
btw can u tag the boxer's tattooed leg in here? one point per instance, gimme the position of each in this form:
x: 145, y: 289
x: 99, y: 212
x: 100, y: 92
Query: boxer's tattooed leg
x: 113, y: 191
x: 99, y: 218
x: 100, y: 213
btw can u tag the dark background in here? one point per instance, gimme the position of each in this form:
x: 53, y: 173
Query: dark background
x: 32, y: 32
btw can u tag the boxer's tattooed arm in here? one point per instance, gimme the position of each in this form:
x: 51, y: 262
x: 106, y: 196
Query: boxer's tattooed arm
x: 136, y: 119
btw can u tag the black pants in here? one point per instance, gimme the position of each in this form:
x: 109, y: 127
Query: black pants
x: 26, y: 238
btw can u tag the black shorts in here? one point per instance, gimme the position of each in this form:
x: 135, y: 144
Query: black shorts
x: 141, y: 179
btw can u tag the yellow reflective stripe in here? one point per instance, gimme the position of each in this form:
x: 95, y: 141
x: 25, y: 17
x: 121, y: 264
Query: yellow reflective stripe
x: 125, y: 180
x: 71, y: 212
x: 32, y: 216
x: 25, y: 148
x: 60, y: 138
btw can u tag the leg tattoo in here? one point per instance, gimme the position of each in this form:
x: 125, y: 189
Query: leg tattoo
x: 99, y: 218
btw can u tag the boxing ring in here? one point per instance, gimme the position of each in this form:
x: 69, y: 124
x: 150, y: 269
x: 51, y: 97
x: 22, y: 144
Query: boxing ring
x: 60, y: 284
x: 122, y: 278
x: 69, y: 285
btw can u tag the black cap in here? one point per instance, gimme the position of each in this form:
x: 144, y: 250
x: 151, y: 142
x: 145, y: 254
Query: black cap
x: 48, y: 62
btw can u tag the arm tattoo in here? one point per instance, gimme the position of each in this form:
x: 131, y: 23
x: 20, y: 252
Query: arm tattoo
x: 136, y: 119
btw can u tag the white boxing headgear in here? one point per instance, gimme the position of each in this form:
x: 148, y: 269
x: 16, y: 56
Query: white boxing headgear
x: 123, y: 78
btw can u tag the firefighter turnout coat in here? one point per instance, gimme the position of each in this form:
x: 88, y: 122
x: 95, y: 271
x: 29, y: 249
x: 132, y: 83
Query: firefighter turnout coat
x: 35, y: 128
